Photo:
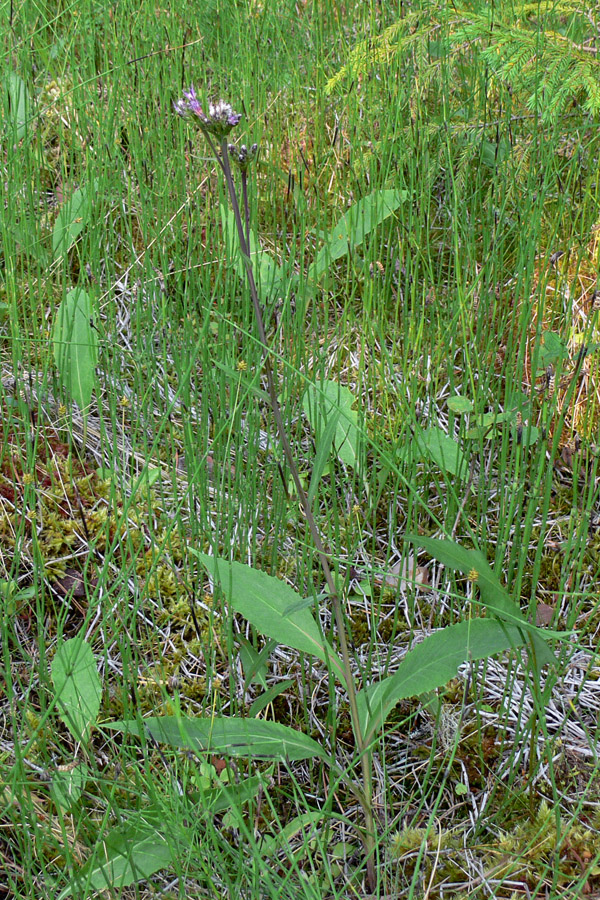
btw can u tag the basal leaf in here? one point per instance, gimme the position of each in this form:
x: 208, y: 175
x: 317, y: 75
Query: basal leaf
x: 432, y: 664
x: 25, y: 235
x: 493, y: 595
x: 486, y: 422
x: 75, y: 343
x: 77, y: 685
x: 124, y: 857
x: 434, y: 444
x: 460, y: 405
x: 19, y: 102
x: 493, y: 153
x: 528, y: 435
x: 230, y: 796
x: 68, y: 784
x: 254, y: 664
x: 553, y: 349
x: 326, y: 400
x: 305, y: 822
x: 265, y: 601
x: 268, y: 696
x: 72, y: 219
x: 351, y: 230
x: 249, y: 738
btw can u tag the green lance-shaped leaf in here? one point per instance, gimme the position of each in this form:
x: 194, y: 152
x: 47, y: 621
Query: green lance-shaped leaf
x: 125, y: 856
x: 432, y: 664
x: 460, y: 405
x: 75, y: 343
x: 77, y: 685
x: 268, y: 696
x: 304, y: 824
x: 433, y: 443
x: 266, y: 602
x: 18, y: 101
x: 68, y: 784
x: 323, y: 402
x: 215, y: 800
x: 321, y: 460
x: 493, y: 595
x: 351, y: 230
x: 73, y: 217
x: 248, y: 738
x: 254, y: 664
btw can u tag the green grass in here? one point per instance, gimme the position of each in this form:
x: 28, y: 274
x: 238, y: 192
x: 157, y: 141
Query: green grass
x: 476, y: 795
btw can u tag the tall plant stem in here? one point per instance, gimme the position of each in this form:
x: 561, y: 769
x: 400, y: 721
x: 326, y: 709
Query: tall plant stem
x: 364, y: 752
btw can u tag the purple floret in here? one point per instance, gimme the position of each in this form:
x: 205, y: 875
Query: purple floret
x: 221, y: 117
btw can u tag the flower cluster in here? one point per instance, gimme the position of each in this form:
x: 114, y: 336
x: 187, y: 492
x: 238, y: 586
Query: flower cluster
x: 219, y: 120
x: 244, y: 156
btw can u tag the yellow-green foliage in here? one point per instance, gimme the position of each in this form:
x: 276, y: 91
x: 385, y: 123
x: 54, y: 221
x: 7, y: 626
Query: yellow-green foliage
x: 512, y: 66
x: 533, y: 843
x: 525, y: 851
x: 439, y: 849
x: 523, y: 44
x: 52, y: 495
x: 409, y: 840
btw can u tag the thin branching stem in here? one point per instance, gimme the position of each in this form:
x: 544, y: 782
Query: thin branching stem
x: 364, y: 752
x: 246, y: 207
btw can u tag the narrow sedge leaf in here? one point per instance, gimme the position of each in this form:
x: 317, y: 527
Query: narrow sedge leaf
x: 432, y: 664
x: 264, y: 601
x: 77, y: 685
x: 351, y: 230
x: 76, y: 347
x: 249, y: 738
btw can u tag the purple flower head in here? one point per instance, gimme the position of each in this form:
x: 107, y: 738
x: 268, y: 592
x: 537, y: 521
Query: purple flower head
x: 193, y: 104
x: 223, y: 114
x: 221, y: 117
x: 180, y: 107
